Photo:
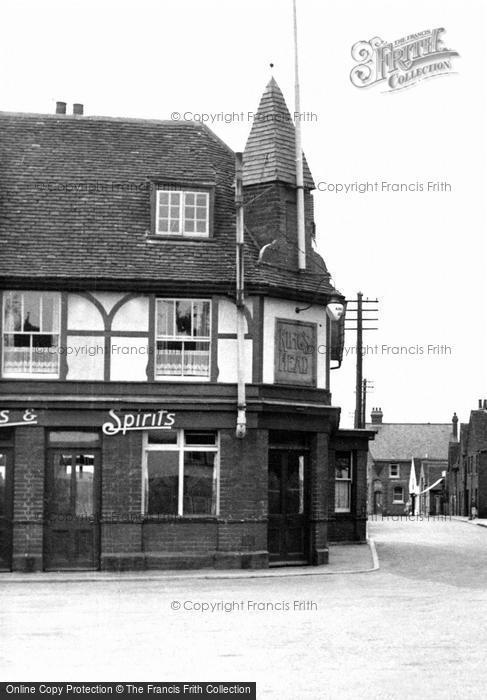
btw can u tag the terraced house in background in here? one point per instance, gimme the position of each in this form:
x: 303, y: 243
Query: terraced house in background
x: 156, y: 413
x: 467, y: 466
x: 407, y: 467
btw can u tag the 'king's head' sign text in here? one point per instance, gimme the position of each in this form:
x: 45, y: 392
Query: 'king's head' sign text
x: 151, y: 420
x: 295, y: 352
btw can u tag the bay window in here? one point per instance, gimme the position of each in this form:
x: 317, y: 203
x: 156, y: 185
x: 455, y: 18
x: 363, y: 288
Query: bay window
x: 182, y: 338
x: 180, y: 473
x: 31, y: 334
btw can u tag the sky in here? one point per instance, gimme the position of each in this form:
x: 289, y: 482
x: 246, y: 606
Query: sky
x: 421, y: 254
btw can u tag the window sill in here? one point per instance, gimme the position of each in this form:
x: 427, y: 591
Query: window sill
x: 30, y: 376
x: 158, y: 238
x: 178, y: 518
x: 177, y: 378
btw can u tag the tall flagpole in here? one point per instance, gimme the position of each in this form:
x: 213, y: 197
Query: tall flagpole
x: 299, y: 153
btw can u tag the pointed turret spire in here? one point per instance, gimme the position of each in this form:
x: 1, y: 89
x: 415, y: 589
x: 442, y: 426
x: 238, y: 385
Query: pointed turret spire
x: 269, y: 154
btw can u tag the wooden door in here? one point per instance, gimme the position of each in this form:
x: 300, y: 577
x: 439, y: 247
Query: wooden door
x: 287, y: 526
x: 71, y: 530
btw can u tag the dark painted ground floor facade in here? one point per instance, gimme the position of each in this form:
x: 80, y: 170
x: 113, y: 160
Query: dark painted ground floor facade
x: 157, y: 482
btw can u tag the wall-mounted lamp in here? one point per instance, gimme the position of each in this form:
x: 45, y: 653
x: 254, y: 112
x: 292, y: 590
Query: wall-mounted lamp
x: 335, y: 310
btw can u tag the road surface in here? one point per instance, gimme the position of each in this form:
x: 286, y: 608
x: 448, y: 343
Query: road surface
x: 414, y: 629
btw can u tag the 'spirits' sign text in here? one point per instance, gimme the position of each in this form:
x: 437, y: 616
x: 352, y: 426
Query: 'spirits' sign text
x: 153, y: 420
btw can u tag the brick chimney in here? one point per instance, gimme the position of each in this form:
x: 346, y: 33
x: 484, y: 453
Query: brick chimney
x: 454, y: 422
x: 60, y: 107
x: 376, y: 416
x: 78, y: 109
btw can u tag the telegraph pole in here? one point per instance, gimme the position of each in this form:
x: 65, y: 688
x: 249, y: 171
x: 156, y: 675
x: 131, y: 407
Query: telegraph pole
x: 361, y: 384
x: 358, y: 376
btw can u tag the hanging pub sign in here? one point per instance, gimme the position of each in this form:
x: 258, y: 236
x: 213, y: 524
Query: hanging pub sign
x: 150, y: 420
x: 295, y: 352
x: 26, y: 417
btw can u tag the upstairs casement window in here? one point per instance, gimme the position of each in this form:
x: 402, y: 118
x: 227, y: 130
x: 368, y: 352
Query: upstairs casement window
x: 183, y: 213
x: 394, y: 471
x: 31, y: 322
x: 183, y: 338
x: 343, y: 482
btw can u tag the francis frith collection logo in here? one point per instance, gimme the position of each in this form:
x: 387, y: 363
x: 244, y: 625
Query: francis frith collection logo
x: 402, y: 63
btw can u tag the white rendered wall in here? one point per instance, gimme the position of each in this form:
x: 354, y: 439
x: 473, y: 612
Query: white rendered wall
x: 277, y: 308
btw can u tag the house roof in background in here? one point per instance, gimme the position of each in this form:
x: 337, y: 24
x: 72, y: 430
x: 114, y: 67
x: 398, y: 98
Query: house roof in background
x: 403, y: 441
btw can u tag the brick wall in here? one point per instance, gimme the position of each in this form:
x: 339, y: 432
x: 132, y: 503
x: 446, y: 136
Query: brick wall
x: 320, y: 498
x: 270, y: 214
x: 482, y: 481
x: 28, y: 499
x: 349, y: 527
x: 238, y: 537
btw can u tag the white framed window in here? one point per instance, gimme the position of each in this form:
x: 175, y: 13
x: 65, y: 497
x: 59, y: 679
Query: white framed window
x: 394, y: 471
x: 31, y: 334
x: 180, y: 473
x: 398, y: 494
x: 182, y: 213
x: 183, y: 328
x: 343, y: 482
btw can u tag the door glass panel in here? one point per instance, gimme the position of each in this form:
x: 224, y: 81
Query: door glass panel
x: 3, y: 491
x: 73, y: 437
x: 295, y: 484
x: 61, y: 497
x: 85, y: 472
x: 274, y: 487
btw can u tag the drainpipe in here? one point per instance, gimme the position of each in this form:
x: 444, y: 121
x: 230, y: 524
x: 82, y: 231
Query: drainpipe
x: 241, y: 429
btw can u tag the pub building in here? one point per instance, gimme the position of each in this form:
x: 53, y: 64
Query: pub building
x: 168, y: 335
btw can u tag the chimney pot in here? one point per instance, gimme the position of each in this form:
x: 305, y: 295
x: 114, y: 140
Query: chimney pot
x: 77, y: 108
x: 376, y: 416
x: 454, y: 421
x: 60, y: 107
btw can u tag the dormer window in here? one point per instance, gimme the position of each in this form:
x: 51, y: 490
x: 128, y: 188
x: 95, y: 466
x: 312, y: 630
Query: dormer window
x: 182, y: 213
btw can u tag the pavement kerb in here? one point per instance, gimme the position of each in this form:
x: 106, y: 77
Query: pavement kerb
x: 375, y: 556
x: 468, y: 521
x: 99, y: 577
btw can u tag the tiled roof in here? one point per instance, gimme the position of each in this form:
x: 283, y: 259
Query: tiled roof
x: 75, y: 204
x: 473, y: 435
x: 270, y: 149
x: 402, y: 441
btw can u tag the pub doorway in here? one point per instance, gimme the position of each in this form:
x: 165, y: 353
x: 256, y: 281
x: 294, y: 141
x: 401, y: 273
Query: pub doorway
x: 72, y: 501
x: 288, y: 511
